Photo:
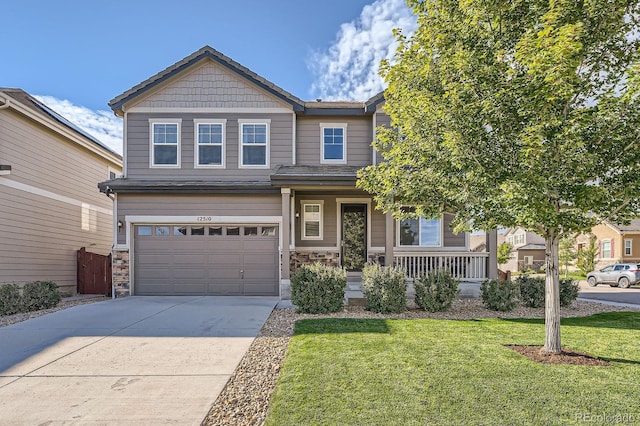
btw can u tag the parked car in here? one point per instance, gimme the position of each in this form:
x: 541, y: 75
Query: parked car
x: 619, y: 275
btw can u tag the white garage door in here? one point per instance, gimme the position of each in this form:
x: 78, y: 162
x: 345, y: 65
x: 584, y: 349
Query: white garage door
x: 206, y: 260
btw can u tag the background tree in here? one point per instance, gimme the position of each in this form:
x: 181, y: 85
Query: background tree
x: 520, y: 113
x: 587, y: 256
x: 567, y: 252
x: 504, y: 252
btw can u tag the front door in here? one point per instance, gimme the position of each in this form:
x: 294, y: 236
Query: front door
x: 354, y: 236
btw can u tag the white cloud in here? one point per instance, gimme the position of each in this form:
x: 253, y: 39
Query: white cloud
x: 348, y: 70
x: 102, y: 125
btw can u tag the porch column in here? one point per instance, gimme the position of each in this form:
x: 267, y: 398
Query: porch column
x: 285, y: 231
x: 492, y: 249
x: 388, y: 239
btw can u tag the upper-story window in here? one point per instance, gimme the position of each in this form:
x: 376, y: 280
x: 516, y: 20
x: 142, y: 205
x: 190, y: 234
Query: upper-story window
x: 254, y: 143
x: 333, y: 143
x: 210, y: 141
x: 165, y: 142
x: 420, y: 232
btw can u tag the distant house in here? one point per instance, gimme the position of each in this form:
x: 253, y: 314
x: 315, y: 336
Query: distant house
x: 50, y: 205
x: 528, y: 249
x: 616, y: 242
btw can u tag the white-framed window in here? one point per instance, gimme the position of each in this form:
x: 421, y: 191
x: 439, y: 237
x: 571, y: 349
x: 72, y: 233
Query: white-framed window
x: 528, y: 260
x: 421, y: 232
x: 628, y: 247
x: 164, y: 142
x: 254, y: 143
x: 209, y: 143
x: 333, y: 143
x: 605, y: 252
x: 312, y: 220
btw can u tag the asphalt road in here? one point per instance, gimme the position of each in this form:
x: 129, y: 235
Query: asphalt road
x: 611, y: 294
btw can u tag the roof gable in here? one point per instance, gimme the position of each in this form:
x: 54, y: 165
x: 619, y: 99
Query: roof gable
x: 221, y: 62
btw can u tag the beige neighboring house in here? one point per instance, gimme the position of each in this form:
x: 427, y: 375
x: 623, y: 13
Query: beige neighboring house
x: 616, y: 243
x: 50, y: 205
x: 527, y: 252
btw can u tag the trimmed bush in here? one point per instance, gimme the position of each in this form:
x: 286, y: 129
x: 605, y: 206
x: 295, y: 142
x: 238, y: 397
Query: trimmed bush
x: 569, y: 290
x: 436, y: 291
x: 9, y: 298
x: 531, y: 291
x: 38, y: 295
x: 385, y: 288
x: 318, y: 289
x: 499, y: 295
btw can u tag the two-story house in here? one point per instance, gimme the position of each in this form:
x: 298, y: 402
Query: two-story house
x: 49, y: 204
x: 616, y: 242
x: 230, y: 183
x: 527, y: 250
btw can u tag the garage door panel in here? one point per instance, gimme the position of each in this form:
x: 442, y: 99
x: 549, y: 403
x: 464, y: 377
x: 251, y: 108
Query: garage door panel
x: 206, y: 264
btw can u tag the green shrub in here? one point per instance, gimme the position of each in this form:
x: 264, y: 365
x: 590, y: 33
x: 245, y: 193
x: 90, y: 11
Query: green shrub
x: 318, y: 289
x: 38, y: 295
x: 436, y: 291
x: 569, y: 290
x: 9, y: 298
x: 385, y: 288
x: 531, y: 290
x: 499, y: 295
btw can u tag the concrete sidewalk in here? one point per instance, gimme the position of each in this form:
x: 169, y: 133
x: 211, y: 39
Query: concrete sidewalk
x: 137, y: 360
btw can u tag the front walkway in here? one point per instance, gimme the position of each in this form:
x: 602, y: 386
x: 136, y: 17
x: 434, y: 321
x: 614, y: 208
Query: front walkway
x: 137, y: 360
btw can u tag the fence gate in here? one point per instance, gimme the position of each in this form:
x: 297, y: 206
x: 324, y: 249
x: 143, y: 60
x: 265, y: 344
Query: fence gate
x: 94, y: 273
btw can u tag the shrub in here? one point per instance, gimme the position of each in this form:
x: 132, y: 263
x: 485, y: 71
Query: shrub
x: 9, y: 298
x: 531, y: 291
x: 435, y: 291
x: 499, y: 295
x: 40, y: 295
x: 318, y: 289
x: 385, y: 288
x: 569, y: 290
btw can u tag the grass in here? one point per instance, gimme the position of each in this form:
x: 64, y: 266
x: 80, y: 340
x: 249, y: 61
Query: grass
x: 444, y: 372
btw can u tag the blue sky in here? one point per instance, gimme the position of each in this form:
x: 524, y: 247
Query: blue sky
x: 77, y: 55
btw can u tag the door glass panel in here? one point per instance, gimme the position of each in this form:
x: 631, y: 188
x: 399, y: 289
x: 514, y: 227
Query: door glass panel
x: 215, y: 230
x: 354, y: 231
x: 268, y: 231
x: 233, y: 230
x: 197, y: 230
x: 162, y: 230
x: 144, y: 230
x: 250, y: 230
x: 179, y: 231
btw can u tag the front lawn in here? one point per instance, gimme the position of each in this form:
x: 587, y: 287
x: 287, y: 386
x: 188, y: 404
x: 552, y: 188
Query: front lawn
x: 441, y: 372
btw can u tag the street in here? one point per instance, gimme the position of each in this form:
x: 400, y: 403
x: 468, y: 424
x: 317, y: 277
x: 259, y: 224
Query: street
x: 611, y: 294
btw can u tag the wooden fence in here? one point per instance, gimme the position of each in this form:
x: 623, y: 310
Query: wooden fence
x: 94, y: 273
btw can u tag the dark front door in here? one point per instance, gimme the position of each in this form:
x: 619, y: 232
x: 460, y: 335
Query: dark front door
x: 354, y: 236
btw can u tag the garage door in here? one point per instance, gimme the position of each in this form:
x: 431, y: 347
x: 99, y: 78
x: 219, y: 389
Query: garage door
x: 206, y: 260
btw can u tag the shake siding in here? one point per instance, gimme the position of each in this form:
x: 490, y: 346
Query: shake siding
x: 359, y: 137
x: 138, y: 147
x: 196, y: 205
x: 40, y: 235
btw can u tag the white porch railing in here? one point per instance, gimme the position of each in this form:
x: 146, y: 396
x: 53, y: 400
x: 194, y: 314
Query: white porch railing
x: 464, y: 266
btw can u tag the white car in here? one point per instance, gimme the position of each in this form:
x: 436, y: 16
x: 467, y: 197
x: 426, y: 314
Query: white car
x: 619, y: 275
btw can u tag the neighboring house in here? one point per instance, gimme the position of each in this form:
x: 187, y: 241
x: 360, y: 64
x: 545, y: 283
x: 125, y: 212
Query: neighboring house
x: 616, y: 243
x: 50, y: 205
x: 527, y: 250
x: 231, y: 183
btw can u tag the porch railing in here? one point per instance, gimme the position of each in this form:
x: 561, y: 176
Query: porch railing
x: 466, y: 266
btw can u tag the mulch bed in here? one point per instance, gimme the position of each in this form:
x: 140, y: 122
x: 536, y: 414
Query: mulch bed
x: 567, y: 356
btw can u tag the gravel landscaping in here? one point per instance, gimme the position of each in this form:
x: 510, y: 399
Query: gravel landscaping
x: 64, y: 304
x: 245, y: 399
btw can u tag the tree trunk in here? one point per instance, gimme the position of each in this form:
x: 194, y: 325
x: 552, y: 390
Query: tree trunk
x: 552, y: 296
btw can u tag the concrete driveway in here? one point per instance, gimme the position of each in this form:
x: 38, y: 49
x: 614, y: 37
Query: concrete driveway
x: 136, y: 360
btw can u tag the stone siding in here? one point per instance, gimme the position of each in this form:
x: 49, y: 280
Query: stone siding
x: 299, y: 258
x: 120, y: 272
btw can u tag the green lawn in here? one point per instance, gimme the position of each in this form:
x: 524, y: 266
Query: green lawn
x: 442, y: 372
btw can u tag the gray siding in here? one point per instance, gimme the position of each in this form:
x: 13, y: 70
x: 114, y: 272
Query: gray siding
x: 451, y: 239
x: 196, y: 205
x: 329, y: 220
x: 382, y: 120
x: 359, y: 137
x: 138, y: 147
x: 43, y: 222
x: 377, y: 227
x: 209, y: 86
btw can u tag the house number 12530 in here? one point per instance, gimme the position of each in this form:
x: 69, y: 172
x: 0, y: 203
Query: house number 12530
x: 204, y: 218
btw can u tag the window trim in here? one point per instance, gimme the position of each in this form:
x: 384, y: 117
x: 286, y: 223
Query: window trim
x: 342, y: 126
x: 602, y: 249
x: 267, y: 123
x: 630, y: 246
x: 526, y: 263
x: 303, y: 228
x: 152, y: 159
x: 196, y: 151
x: 441, y: 236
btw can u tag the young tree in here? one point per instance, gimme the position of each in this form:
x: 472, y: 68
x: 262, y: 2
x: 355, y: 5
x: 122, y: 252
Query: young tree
x: 504, y: 252
x: 520, y: 113
x: 586, y: 257
x: 567, y: 252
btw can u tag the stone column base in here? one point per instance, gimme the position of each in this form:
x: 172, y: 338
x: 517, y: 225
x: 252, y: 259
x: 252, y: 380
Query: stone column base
x: 120, y: 272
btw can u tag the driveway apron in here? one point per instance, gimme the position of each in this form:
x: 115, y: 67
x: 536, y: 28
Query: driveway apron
x: 136, y: 360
